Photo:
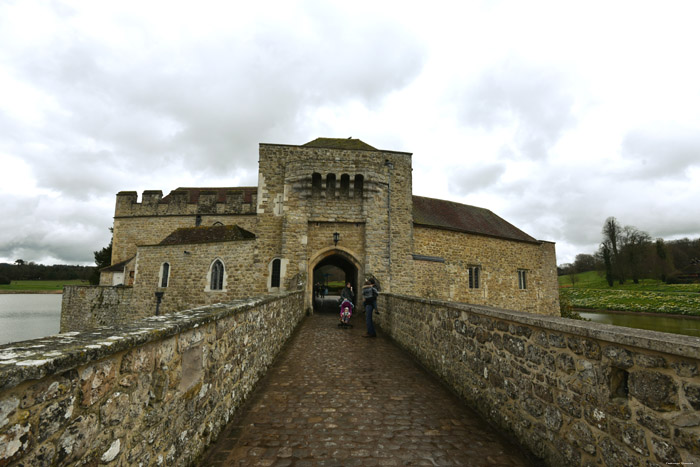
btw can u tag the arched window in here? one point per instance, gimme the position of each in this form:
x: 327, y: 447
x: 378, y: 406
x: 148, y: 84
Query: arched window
x: 164, y: 274
x: 345, y: 185
x: 217, y: 223
x: 217, y: 275
x: 275, y: 275
x: 330, y: 186
x: 359, y: 185
x: 316, y: 184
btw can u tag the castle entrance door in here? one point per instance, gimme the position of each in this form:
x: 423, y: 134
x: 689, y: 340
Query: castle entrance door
x: 331, y: 270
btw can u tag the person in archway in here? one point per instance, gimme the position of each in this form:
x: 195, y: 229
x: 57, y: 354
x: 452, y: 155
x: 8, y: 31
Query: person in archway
x: 370, y: 293
x: 347, y: 293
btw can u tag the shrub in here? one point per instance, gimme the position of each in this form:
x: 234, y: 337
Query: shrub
x: 567, y: 311
x: 4, y: 280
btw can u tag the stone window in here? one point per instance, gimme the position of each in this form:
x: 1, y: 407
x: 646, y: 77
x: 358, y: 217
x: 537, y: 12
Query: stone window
x: 316, y: 184
x: 217, y: 223
x: 217, y: 276
x: 164, y: 274
x: 345, y: 185
x: 522, y: 279
x: 330, y: 186
x: 275, y: 275
x: 198, y: 220
x: 474, y: 277
x: 359, y: 185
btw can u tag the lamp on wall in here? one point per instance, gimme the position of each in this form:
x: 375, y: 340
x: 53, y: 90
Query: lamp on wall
x: 336, y: 238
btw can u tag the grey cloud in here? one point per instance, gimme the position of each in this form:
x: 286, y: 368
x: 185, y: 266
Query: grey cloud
x: 661, y: 152
x: 464, y: 181
x: 538, y: 101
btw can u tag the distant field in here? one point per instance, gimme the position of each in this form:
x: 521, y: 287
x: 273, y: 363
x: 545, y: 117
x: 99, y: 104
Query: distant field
x: 591, y: 291
x: 38, y: 286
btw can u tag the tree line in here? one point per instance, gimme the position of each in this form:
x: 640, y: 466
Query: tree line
x: 28, y: 271
x: 629, y: 254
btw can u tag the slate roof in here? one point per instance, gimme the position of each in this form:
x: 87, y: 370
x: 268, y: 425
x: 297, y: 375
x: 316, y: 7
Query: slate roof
x: 464, y: 218
x: 117, y: 267
x: 194, y: 192
x: 339, y: 143
x: 207, y: 234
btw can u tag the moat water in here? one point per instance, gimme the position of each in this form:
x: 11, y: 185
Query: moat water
x: 29, y: 316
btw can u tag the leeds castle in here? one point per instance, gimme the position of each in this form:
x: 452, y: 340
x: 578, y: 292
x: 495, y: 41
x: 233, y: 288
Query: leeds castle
x: 338, y: 202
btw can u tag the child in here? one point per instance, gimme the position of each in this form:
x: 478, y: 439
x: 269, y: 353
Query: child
x: 345, y: 313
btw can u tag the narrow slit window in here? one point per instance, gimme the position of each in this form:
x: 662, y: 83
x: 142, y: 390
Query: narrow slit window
x: 359, y: 185
x: 164, y: 274
x: 330, y: 186
x: 316, y: 184
x: 217, y: 275
x: 522, y: 279
x: 345, y: 185
x: 275, y: 276
x: 474, y: 277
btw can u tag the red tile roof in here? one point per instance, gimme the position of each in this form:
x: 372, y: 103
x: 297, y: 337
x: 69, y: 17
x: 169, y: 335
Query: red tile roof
x: 464, y: 218
x: 211, y: 234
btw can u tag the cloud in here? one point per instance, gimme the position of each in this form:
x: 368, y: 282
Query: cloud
x: 472, y: 179
x: 537, y: 102
x: 662, y: 151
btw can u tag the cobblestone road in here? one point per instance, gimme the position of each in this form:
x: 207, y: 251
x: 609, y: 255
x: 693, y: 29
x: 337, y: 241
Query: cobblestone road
x: 335, y: 398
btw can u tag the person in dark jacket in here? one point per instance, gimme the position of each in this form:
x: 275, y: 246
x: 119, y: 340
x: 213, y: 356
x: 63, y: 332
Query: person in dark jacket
x: 369, y: 294
x: 347, y: 293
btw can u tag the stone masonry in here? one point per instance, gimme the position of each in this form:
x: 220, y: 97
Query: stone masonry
x: 574, y: 393
x: 153, y: 392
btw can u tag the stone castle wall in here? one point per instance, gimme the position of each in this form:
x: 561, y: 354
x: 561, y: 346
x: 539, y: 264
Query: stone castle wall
x: 154, y: 392
x: 149, y: 222
x: 189, y: 280
x: 499, y: 261
x: 84, y: 307
x: 574, y: 393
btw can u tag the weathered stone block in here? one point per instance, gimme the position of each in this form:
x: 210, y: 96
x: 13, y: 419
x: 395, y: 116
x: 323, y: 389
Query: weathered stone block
x: 655, y: 390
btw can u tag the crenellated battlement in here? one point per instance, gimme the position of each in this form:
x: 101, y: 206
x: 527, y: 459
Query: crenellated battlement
x: 187, y: 201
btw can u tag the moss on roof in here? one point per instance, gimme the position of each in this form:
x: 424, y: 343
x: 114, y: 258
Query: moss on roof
x: 210, y: 234
x: 339, y: 143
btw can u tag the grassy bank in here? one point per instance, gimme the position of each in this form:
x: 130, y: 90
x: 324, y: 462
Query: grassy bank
x: 38, y: 286
x: 591, y: 291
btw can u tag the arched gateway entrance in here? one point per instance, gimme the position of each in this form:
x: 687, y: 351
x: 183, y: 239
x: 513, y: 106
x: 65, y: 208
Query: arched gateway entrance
x: 340, y: 264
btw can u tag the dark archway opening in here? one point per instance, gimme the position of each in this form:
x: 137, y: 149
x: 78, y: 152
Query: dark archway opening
x: 331, y: 274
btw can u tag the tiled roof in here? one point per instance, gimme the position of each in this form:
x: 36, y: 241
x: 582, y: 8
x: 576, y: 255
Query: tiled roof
x: 464, y: 218
x: 339, y: 143
x: 194, y: 193
x: 211, y: 234
x: 117, y: 267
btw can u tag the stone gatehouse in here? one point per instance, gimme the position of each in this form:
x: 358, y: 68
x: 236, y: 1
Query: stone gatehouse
x: 338, y: 202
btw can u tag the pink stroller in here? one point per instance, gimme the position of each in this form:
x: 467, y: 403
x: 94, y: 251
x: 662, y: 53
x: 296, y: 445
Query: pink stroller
x: 345, y: 314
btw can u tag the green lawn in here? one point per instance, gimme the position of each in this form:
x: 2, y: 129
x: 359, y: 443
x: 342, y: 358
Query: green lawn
x: 39, y: 286
x: 591, y: 291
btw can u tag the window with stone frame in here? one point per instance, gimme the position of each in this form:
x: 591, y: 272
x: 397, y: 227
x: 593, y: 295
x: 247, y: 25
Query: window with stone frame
x: 345, y: 185
x: 474, y: 277
x: 522, y: 279
x: 330, y: 186
x: 358, y: 186
x: 217, y: 275
x: 275, y: 273
x: 164, y: 274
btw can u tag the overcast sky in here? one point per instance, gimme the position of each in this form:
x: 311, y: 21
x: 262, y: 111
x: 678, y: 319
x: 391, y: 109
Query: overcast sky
x: 554, y: 115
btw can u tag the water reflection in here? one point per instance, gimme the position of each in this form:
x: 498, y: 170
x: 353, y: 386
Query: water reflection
x: 29, y: 316
x: 663, y: 323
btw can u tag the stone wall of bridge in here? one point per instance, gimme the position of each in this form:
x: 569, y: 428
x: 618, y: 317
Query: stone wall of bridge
x: 573, y: 392
x: 152, y: 392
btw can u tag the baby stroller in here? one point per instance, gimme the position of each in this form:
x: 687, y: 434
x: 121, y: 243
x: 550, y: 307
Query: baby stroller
x: 345, y: 314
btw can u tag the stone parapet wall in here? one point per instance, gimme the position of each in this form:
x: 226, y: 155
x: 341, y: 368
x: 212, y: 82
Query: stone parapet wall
x: 85, y: 307
x: 573, y: 392
x: 154, y: 392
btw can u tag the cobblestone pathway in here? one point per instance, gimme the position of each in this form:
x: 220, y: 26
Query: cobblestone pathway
x: 335, y: 398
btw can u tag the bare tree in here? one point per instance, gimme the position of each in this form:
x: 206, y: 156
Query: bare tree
x: 611, y: 237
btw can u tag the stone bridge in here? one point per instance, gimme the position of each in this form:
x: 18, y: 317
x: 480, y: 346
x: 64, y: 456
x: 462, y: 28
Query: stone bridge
x: 161, y: 390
